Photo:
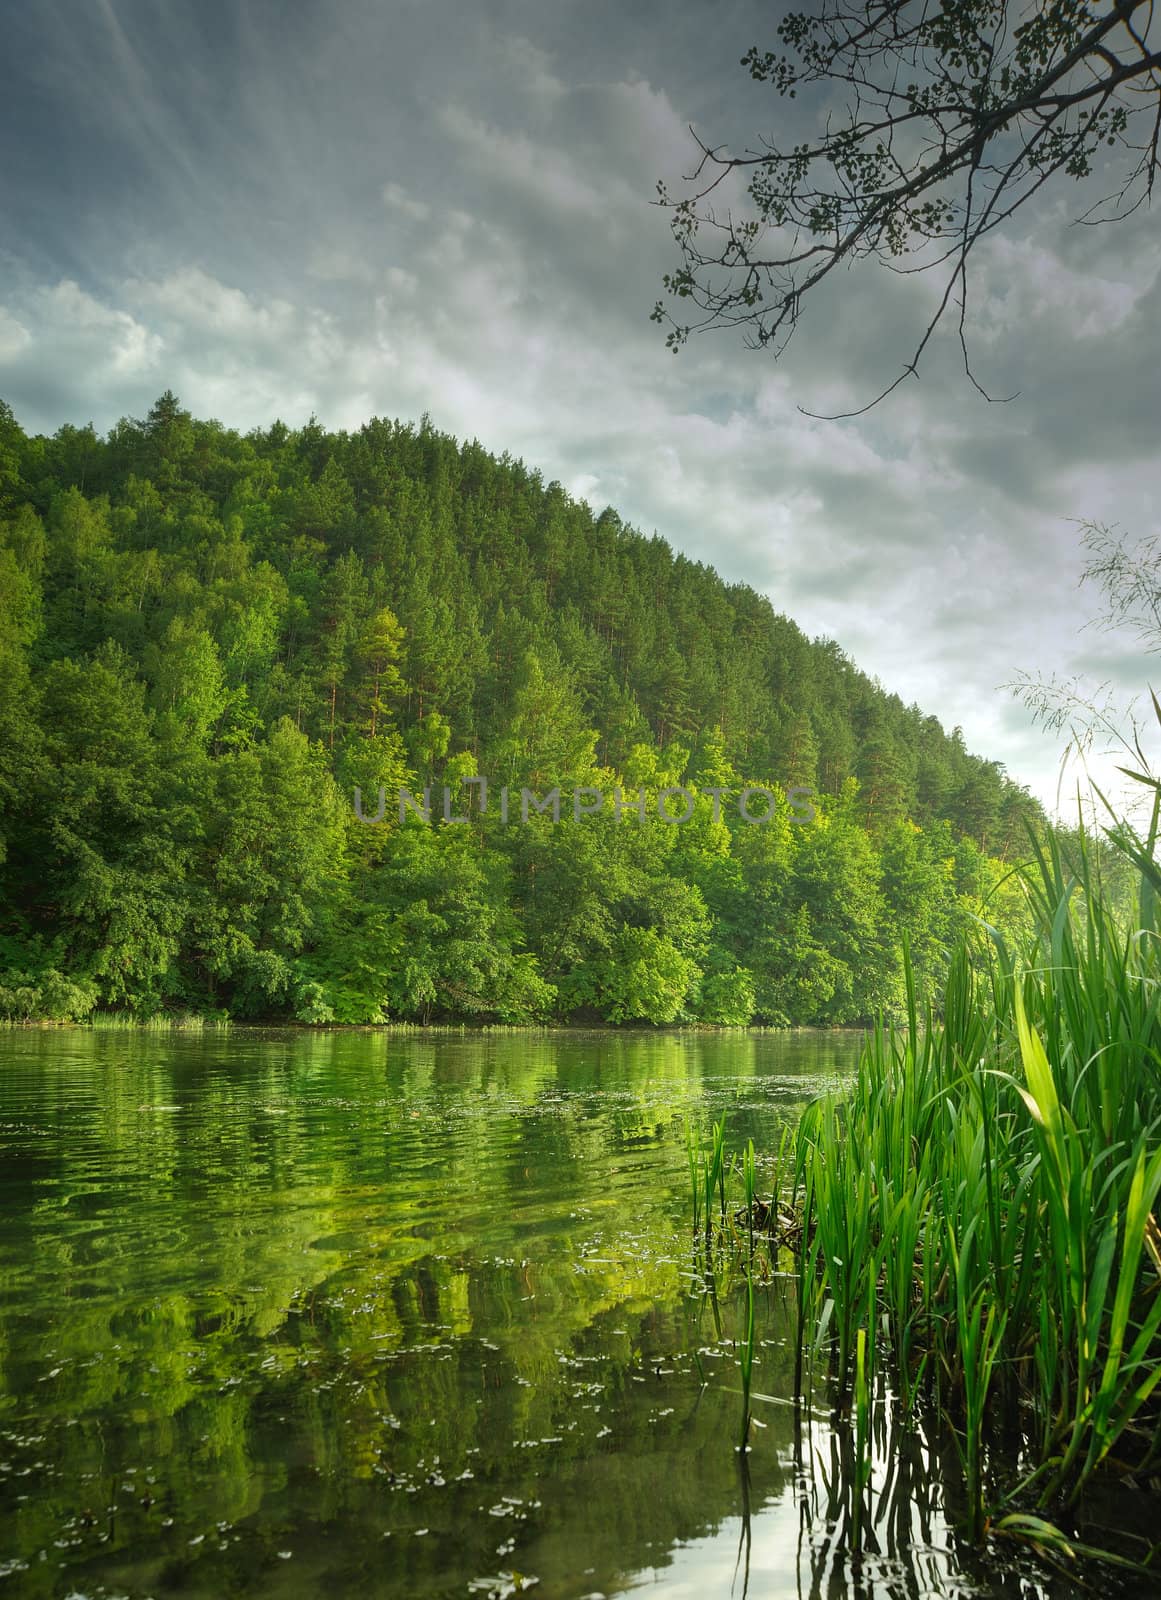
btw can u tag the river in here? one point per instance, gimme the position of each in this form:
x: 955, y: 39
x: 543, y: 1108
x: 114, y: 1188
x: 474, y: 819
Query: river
x: 379, y: 1315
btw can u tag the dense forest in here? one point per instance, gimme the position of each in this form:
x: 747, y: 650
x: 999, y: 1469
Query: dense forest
x: 209, y: 639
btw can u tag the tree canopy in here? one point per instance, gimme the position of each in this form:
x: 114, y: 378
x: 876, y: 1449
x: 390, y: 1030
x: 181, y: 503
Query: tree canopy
x: 209, y: 641
x: 954, y: 115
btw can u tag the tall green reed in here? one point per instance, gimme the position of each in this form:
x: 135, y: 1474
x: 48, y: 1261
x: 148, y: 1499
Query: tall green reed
x: 986, y: 1189
x: 708, y: 1174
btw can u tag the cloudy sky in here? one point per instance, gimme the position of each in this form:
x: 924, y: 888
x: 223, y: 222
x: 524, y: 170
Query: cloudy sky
x: 359, y: 207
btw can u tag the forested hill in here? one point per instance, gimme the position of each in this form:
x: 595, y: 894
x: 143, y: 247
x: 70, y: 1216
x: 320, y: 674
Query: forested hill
x: 208, y: 639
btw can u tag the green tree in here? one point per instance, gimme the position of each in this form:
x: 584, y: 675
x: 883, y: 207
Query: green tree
x: 13, y: 445
x: 208, y: 641
x: 546, y: 740
x: 102, y: 869
x: 188, y: 688
x: 379, y: 651
x: 343, y: 617
x: 273, y: 861
x: 645, y: 979
x: 429, y: 935
x: 165, y: 441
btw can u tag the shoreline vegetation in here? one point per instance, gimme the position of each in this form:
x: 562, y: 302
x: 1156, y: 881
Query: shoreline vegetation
x: 970, y: 1226
x: 192, y: 1022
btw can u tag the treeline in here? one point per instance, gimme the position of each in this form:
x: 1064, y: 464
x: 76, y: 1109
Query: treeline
x: 209, y: 639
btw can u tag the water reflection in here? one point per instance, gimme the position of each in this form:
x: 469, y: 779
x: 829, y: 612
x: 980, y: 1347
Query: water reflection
x: 373, y: 1315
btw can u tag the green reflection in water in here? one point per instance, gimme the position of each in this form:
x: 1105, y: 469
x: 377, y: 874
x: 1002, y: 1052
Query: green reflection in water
x: 370, y: 1315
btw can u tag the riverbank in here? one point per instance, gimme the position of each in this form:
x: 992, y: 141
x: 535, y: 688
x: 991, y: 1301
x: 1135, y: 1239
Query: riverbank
x: 193, y: 1022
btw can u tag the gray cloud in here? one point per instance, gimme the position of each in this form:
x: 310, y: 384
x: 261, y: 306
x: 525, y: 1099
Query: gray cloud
x: 353, y: 210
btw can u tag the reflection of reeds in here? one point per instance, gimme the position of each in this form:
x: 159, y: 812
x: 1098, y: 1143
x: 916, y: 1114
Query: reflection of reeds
x: 862, y: 1473
x: 709, y: 1173
x: 747, y: 1349
x: 746, y: 1359
x: 693, y: 1157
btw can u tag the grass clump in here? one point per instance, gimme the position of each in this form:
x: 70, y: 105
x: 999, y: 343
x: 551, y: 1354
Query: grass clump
x: 984, y: 1193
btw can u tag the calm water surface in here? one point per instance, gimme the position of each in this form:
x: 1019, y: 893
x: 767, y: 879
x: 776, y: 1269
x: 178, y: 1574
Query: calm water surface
x: 368, y: 1315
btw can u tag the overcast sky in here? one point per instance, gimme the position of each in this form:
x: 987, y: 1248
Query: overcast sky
x: 388, y: 207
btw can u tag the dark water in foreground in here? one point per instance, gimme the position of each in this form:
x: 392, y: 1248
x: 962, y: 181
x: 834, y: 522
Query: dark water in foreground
x: 364, y: 1315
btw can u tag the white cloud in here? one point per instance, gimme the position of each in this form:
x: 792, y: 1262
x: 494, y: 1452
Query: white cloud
x: 14, y: 337
x: 396, y: 198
